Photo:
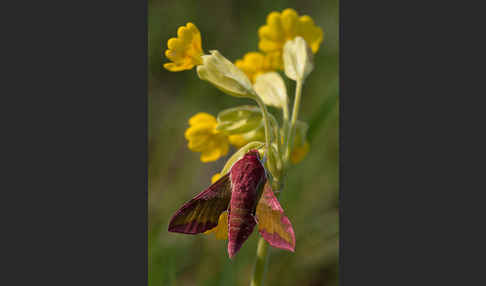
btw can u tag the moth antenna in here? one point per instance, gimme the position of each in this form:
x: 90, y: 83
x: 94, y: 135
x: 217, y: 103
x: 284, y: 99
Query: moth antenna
x: 264, y: 159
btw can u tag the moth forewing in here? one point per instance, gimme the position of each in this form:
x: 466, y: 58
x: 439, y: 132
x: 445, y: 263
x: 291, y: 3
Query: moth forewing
x: 202, y: 212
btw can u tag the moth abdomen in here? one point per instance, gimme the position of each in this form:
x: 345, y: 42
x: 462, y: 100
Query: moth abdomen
x: 240, y: 226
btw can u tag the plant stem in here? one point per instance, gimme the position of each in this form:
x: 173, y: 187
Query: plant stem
x: 286, y: 112
x: 295, y: 115
x: 266, y: 122
x: 283, y: 141
x: 259, y: 272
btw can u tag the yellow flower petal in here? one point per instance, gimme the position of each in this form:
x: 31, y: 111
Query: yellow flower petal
x: 202, y: 117
x: 204, y: 129
x: 237, y: 140
x: 173, y: 67
x: 254, y: 64
x: 185, y: 51
x: 203, y: 137
x: 272, y: 34
x: 216, y: 147
x: 198, y: 144
x: 210, y: 155
x: 298, y: 153
x: 289, y: 22
x: 223, y: 145
x: 273, y: 61
x: 270, y: 46
x: 275, y: 24
x: 221, y: 230
x: 311, y: 33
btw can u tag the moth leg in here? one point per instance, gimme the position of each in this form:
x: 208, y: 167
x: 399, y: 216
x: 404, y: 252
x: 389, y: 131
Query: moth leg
x: 255, y: 218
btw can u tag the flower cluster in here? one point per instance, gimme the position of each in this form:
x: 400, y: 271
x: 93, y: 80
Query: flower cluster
x: 252, y: 76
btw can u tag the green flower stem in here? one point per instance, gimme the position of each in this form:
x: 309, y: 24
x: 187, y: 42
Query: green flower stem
x: 266, y: 122
x: 286, y: 111
x: 295, y: 115
x: 283, y: 141
x: 262, y: 254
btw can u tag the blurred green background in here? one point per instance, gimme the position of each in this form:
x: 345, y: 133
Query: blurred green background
x: 310, y: 195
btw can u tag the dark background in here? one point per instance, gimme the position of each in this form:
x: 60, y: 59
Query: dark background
x: 310, y: 198
x: 74, y: 138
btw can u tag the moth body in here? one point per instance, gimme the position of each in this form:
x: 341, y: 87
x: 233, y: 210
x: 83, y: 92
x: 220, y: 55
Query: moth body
x: 247, y: 180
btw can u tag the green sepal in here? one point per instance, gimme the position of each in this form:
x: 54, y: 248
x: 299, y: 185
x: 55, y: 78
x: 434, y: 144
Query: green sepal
x: 273, y: 163
x: 239, y: 154
x: 239, y: 119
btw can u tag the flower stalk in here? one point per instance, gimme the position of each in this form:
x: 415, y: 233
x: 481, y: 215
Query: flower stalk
x: 266, y: 123
x: 295, y: 113
x: 261, y: 263
x: 285, y: 128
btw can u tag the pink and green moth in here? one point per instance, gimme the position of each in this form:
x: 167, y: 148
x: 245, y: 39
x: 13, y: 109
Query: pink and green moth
x: 238, y: 201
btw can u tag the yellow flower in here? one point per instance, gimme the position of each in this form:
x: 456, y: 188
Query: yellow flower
x: 237, y: 140
x: 203, y: 137
x: 185, y: 51
x: 221, y: 230
x: 285, y: 26
x: 255, y: 63
x: 299, y: 152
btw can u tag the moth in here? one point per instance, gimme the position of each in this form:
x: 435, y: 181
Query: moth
x: 239, y: 201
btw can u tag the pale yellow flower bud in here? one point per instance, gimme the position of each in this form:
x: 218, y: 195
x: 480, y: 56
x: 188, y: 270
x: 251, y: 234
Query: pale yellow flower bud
x: 270, y: 87
x: 298, y: 59
x: 225, y: 75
